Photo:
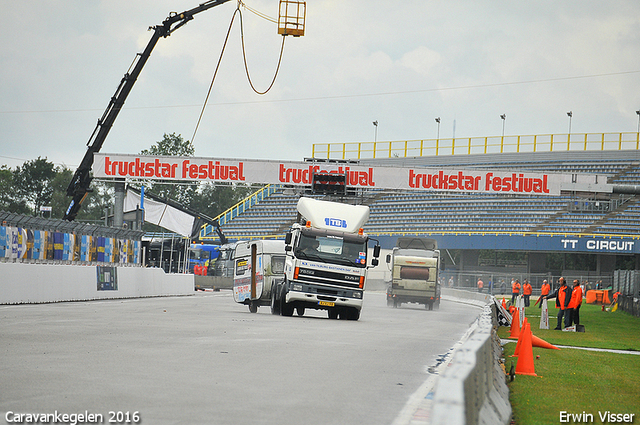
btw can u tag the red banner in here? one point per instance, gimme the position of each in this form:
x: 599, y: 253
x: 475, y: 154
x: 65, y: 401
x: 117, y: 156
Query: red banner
x: 301, y: 173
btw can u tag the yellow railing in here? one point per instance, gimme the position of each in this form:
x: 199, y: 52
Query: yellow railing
x: 479, y: 145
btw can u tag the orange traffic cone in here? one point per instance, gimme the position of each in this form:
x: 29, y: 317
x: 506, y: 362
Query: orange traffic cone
x: 525, y: 358
x: 525, y: 322
x: 515, y: 326
x: 504, y: 303
x: 539, y: 342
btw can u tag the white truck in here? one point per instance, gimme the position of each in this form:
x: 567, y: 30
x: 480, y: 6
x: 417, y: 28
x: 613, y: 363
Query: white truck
x: 326, y: 263
x: 414, y: 265
x: 258, y: 267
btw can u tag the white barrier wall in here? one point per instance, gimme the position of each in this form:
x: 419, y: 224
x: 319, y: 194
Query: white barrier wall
x: 43, y: 283
x: 473, y: 389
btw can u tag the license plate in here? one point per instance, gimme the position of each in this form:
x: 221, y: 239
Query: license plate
x: 326, y: 303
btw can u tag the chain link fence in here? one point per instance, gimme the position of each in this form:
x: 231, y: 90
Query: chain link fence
x: 627, y: 282
x: 499, y: 283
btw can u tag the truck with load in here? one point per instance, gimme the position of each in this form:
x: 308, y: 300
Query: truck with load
x: 414, y: 264
x: 327, y: 260
x: 258, y: 268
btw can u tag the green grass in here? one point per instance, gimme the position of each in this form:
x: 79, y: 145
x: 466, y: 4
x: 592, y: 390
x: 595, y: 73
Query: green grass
x: 577, y: 381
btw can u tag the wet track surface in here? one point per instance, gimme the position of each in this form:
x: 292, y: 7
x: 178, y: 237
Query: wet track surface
x: 204, y: 359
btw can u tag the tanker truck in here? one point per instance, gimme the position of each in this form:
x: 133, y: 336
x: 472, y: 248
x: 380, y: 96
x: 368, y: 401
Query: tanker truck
x: 326, y: 262
x: 414, y: 264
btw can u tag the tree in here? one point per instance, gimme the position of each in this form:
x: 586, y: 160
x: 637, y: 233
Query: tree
x: 171, y: 145
x: 8, y: 200
x: 32, y: 183
x: 213, y: 200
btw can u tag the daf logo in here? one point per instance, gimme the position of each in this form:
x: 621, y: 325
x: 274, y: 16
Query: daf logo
x: 306, y: 271
x: 352, y: 278
x: 335, y: 222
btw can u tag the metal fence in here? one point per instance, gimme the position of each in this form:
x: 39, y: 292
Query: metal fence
x: 28, y: 239
x: 627, y: 282
x: 479, y: 145
x: 499, y: 283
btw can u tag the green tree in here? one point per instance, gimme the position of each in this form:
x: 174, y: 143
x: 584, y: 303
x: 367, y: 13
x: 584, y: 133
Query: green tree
x: 215, y: 199
x: 32, y: 183
x: 171, y: 145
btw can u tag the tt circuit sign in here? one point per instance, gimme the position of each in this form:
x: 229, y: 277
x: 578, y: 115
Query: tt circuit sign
x: 614, y: 246
x: 120, y: 166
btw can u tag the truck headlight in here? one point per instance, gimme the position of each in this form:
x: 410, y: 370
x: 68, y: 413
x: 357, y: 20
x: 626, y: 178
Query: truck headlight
x: 296, y: 287
x: 357, y: 295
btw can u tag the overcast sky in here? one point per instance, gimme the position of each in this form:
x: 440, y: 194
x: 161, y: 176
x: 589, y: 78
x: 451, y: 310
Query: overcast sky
x: 402, y: 63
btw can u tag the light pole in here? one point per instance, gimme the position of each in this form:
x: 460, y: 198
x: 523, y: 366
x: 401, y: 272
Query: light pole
x: 504, y: 120
x: 375, y: 137
x: 570, y: 114
x: 438, y: 121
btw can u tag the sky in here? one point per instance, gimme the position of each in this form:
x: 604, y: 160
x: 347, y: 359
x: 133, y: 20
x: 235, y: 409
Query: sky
x: 401, y: 64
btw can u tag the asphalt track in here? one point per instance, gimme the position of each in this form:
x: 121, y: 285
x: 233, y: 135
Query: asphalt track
x: 204, y: 359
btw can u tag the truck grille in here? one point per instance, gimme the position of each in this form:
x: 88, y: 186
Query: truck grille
x: 328, y: 278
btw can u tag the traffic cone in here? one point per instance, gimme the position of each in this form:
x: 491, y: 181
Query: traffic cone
x: 525, y: 358
x: 539, y: 342
x: 517, y: 350
x: 504, y: 303
x: 515, y: 326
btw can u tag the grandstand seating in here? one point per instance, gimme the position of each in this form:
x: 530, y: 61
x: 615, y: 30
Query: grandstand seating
x: 419, y: 211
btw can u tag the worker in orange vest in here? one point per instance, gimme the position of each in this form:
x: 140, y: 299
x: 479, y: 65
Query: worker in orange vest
x: 544, y: 290
x: 480, y: 285
x: 526, y: 291
x: 515, y: 291
x: 563, y: 298
x: 575, y: 303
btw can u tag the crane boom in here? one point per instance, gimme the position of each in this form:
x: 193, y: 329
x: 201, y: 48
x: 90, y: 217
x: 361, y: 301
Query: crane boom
x: 79, y: 186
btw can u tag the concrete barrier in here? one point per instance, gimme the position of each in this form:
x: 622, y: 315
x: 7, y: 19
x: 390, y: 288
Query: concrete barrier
x: 22, y: 283
x: 473, y: 389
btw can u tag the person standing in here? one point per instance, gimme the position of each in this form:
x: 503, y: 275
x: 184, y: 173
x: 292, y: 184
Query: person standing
x: 526, y: 291
x: 563, y: 297
x: 576, y: 302
x: 515, y: 291
x: 480, y: 285
x: 544, y: 290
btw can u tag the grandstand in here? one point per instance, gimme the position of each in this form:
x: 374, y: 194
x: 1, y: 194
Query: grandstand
x: 420, y: 211
x: 570, y: 223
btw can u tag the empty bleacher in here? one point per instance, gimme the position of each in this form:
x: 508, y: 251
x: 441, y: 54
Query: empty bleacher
x: 420, y: 211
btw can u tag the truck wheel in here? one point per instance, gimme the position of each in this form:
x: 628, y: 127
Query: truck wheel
x: 300, y: 311
x: 333, y: 313
x: 396, y: 304
x: 353, y: 314
x: 429, y: 306
x: 253, y: 306
x: 286, y: 309
x: 389, y: 301
x: 275, y: 304
x: 437, y: 305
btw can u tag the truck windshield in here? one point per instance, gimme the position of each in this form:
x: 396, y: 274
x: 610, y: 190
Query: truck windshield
x: 332, y: 249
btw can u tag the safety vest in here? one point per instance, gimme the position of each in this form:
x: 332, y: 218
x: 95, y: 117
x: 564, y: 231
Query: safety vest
x: 545, y: 289
x: 526, y: 289
x: 562, y: 296
x: 576, y: 297
x: 515, y: 288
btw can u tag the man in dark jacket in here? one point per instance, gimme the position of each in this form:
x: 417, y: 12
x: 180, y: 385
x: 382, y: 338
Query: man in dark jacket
x: 563, y: 297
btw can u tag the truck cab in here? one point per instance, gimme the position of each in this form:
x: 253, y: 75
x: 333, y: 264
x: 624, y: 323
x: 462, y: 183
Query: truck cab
x: 414, y: 264
x: 327, y: 261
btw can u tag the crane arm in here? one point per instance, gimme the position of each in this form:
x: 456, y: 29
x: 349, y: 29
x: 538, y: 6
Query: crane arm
x: 80, y: 183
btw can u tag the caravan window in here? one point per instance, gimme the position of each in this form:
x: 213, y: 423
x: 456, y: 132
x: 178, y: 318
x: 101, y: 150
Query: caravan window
x: 277, y: 264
